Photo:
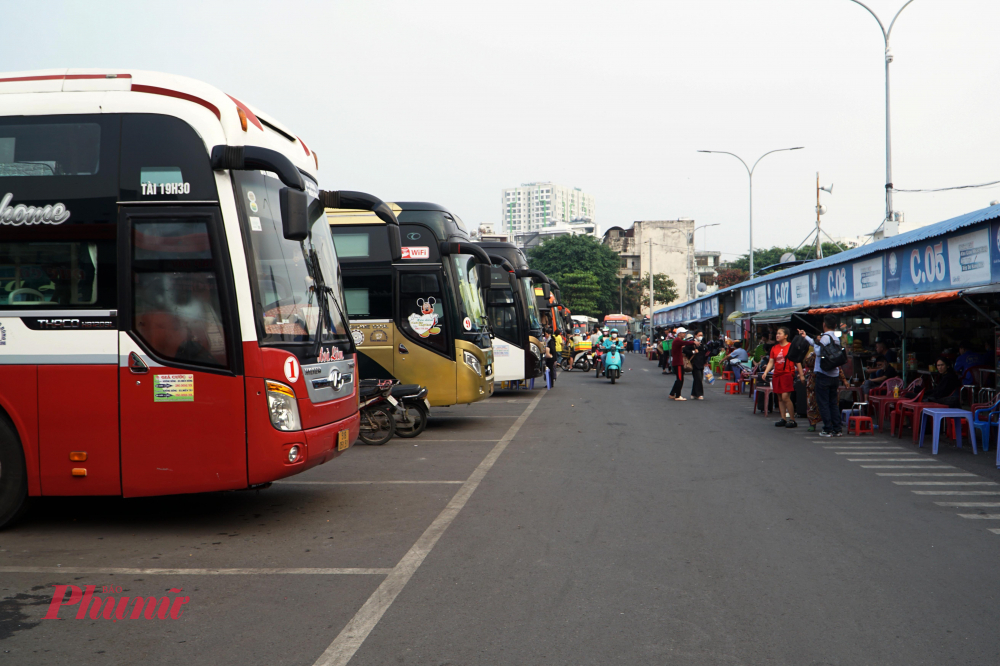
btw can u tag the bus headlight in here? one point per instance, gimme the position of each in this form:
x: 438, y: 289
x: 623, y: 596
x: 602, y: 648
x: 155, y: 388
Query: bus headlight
x: 472, y: 362
x: 282, y: 408
x: 536, y: 351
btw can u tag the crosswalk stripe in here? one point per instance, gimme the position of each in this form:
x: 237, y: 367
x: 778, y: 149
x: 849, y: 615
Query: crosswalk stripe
x: 945, y: 483
x: 966, y: 474
x: 896, y: 452
x: 906, y: 466
x: 909, y: 460
x: 968, y: 504
x: 981, y: 516
x: 955, y: 492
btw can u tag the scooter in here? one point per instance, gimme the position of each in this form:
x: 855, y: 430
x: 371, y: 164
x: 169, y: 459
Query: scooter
x: 377, y: 424
x: 575, y: 360
x: 407, y: 403
x: 598, y: 360
x: 613, y: 361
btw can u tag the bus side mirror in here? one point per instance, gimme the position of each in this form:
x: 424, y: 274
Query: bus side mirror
x: 294, y: 213
x: 395, y: 242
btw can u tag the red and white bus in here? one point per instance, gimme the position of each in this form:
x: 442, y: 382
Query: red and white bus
x: 171, y: 311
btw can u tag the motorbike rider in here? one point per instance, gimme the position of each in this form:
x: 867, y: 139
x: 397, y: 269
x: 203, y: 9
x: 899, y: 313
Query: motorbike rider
x: 610, y: 343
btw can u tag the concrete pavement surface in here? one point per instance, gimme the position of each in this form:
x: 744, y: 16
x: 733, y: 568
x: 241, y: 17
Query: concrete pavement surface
x: 589, y: 524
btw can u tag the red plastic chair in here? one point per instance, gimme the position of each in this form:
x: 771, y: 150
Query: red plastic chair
x: 878, y: 395
x: 895, y: 413
x: 888, y: 403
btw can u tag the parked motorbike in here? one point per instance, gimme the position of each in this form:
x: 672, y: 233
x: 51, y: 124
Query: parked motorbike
x: 377, y: 422
x: 413, y: 409
x: 578, y: 360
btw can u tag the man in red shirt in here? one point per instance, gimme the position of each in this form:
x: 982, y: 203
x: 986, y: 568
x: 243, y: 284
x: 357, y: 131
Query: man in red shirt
x: 784, y: 380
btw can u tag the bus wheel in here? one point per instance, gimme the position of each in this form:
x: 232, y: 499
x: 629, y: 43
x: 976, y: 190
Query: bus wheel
x: 377, y: 425
x: 13, y: 476
x: 416, y: 419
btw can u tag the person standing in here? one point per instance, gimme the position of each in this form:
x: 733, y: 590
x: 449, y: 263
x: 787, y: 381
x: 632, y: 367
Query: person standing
x: 784, y: 377
x: 677, y: 360
x: 827, y: 381
x: 698, y: 355
x: 551, y: 356
x: 642, y: 343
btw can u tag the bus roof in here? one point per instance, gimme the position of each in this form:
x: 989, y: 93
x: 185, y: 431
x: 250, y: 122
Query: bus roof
x: 617, y: 317
x: 80, y: 91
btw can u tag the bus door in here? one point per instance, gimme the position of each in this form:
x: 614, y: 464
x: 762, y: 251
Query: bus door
x: 182, y: 406
x: 510, y: 341
x: 425, y: 352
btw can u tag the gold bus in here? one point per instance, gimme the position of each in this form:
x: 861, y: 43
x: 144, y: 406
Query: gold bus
x: 413, y: 296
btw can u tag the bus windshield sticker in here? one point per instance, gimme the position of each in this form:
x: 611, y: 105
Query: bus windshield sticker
x: 359, y: 337
x: 173, y: 388
x: 425, y: 323
x: 255, y: 223
x: 416, y: 252
x: 28, y: 215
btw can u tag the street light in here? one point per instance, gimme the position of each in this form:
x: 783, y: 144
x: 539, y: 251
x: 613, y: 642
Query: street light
x: 888, y: 140
x: 706, y: 226
x: 750, y: 171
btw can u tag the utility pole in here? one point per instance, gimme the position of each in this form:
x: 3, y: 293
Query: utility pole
x: 819, y: 246
x: 650, y: 241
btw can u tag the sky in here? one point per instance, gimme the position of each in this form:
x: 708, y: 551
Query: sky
x: 452, y: 101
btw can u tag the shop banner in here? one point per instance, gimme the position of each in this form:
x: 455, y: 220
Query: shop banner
x: 799, y: 286
x: 868, y: 279
x: 969, y: 258
x: 834, y: 285
x: 995, y: 251
x: 749, y: 302
x: 760, y: 298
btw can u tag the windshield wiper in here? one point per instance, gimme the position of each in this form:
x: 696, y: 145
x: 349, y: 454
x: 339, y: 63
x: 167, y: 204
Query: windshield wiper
x: 322, y: 294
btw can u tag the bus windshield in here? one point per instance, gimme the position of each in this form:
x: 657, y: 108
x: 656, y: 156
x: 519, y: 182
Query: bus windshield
x: 289, y: 274
x: 470, y: 299
x: 534, y: 323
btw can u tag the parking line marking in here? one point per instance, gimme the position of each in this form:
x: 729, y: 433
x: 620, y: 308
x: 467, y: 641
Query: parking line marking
x: 969, y: 504
x: 981, y: 516
x: 956, y: 492
x: 353, y: 635
x: 888, y: 448
x: 896, y: 452
x: 357, y: 483
x: 195, y: 572
x: 945, y: 483
x: 478, y: 416
x: 458, y: 440
x: 906, y: 466
x: 923, y: 474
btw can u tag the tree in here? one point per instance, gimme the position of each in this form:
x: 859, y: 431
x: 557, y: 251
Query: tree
x: 727, y: 277
x: 562, y: 255
x: 581, y: 292
x: 664, y: 289
x: 771, y: 256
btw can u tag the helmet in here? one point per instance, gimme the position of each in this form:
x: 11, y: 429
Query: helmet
x: 604, y: 330
x: 614, y: 333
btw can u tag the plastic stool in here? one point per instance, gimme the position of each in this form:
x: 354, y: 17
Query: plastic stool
x: 732, y: 388
x: 846, y: 414
x: 727, y: 375
x: 862, y: 425
x: 766, y: 390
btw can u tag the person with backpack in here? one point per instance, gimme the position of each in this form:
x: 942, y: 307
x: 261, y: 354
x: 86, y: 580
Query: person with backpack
x: 677, y: 360
x: 783, y: 382
x: 829, y: 357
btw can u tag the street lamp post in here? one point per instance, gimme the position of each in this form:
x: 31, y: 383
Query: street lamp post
x: 888, y: 138
x: 694, y: 268
x: 750, y: 171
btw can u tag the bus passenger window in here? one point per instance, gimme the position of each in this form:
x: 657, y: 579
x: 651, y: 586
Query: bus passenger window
x: 176, y: 308
x: 421, y: 309
x: 368, y: 296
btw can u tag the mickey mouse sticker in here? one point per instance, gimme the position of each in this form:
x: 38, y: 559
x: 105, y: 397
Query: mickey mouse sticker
x: 425, y: 323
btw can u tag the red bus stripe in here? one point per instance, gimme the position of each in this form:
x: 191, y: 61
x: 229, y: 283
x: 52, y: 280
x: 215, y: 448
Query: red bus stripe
x: 304, y: 146
x: 59, y: 77
x: 153, y: 90
x: 250, y: 116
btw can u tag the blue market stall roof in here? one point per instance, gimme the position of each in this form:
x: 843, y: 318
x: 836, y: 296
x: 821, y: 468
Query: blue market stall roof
x: 923, y: 233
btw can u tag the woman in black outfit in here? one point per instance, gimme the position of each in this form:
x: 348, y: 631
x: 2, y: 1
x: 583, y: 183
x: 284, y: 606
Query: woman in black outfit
x: 698, y: 357
x: 945, y: 391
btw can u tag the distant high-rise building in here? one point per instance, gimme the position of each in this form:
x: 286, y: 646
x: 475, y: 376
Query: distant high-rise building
x: 535, y: 206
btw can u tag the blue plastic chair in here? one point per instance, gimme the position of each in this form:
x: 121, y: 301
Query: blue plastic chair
x: 983, y: 426
x: 938, y: 415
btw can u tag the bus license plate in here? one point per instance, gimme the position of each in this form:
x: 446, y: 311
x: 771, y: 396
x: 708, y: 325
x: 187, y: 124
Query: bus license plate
x: 343, y: 440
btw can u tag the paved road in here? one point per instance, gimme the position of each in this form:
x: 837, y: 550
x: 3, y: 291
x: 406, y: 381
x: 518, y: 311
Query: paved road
x: 592, y: 524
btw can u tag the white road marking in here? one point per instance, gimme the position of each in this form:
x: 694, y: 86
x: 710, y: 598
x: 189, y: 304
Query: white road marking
x: 981, y: 516
x: 909, y: 460
x: 994, y: 530
x: 888, y: 448
x: 969, y: 504
x: 956, y: 492
x: 923, y: 474
x: 462, y: 416
x: 352, y: 636
x: 194, y: 572
x: 896, y: 452
x: 356, y: 483
x: 458, y: 440
x: 944, y: 483
x: 906, y: 466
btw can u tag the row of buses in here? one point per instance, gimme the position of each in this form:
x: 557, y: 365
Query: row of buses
x: 183, y: 310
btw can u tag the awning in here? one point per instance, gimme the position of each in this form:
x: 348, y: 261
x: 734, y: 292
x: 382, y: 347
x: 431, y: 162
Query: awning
x: 736, y: 315
x: 775, y: 316
x: 936, y: 297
